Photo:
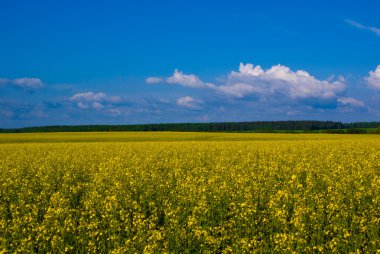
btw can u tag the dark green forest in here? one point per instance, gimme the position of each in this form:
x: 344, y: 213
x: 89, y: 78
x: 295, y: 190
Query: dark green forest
x: 258, y: 126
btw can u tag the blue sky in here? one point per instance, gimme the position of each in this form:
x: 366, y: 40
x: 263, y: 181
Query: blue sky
x: 126, y: 62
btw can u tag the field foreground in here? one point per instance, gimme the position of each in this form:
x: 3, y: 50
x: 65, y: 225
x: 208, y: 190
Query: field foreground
x: 189, y: 193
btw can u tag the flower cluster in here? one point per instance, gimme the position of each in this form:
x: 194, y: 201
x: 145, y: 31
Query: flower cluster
x: 223, y: 193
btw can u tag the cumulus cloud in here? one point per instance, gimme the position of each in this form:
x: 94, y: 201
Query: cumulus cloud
x: 373, y: 29
x: 373, y: 79
x: 179, y: 78
x: 275, y: 82
x: 279, y: 80
x: 187, y: 80
x: 347, y: 101
x: 91, y: 100
x: 188, y: 102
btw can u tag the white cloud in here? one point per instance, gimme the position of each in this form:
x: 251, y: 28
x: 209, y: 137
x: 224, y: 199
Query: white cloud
x: 29, y: 83
x: 179, y: 78
x: 188, y: 102
x: 239, y: 90
x: 94, y: 97
x: 373, y: 29
x: 347, y: 101
x: 114, y: 112
x: 21, y: 110
x: 276, y: 81
x: 38, y: 112
x: 154, y: 80
x: 279, y: 80
x: 373, y: 79
x: 186, y: 80
x: 91, y: 100
x: 83, y: 105
x: 97, y: 105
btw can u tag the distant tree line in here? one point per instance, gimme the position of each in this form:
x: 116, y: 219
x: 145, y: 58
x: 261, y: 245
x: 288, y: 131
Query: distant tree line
x: 259, y: 126
x: 362, y: 125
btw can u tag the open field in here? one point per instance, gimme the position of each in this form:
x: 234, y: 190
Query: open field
x: 177, y: 192
x: 59, y: 137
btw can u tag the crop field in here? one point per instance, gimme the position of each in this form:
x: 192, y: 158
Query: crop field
x: 189, y: 193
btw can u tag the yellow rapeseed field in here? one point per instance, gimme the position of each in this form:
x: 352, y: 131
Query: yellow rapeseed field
x: 189, y: 193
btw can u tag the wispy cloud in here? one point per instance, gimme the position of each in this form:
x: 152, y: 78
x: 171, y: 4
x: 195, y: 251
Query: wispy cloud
x: 27, y: 83
x: 348, y: 101
x: 358, y: 25
x: 10, y: 109
x: 94, y: 97
x: 31, y: 83
x: 91, y: 100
